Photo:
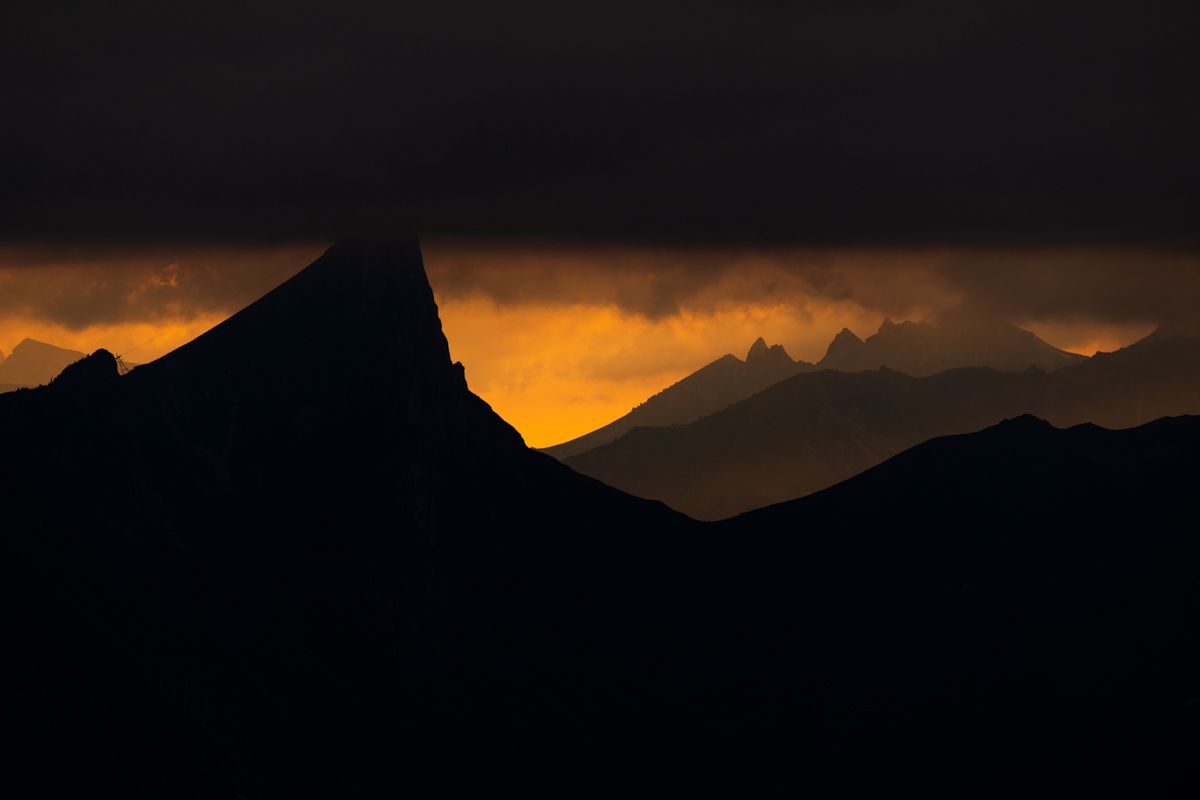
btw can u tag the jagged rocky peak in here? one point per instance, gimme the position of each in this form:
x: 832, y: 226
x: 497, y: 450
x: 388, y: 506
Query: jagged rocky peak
x: 889, y: 326
x: 760, y: 352
x: 846, y: 341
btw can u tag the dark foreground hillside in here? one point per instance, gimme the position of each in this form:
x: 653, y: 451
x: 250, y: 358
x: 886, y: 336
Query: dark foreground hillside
x: 358, y: 582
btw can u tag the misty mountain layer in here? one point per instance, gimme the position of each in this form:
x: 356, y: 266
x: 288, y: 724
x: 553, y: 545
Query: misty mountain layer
x: 925, y: 348
x: 34, y: 363
x: 708, y: 389
x: 813, y: 430
x: 914, y: 348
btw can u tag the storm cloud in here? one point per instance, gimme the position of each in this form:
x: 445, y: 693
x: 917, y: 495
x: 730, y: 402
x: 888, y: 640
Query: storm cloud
x: 650, y: 122
x: 1109, y: 284
x: 77, y: 286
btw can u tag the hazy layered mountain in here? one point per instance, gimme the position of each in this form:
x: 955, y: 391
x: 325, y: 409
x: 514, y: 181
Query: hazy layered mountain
x: 279, y: 582
x: 814, y: 430
x: 924, y: 348
x: 34, y: 363
x: 711, y: 388
x: 915, y: 348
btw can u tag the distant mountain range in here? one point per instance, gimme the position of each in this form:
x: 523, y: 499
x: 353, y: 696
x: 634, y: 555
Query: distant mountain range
x: 923, y: 348
x: 33, y: 363
x: 708, y: 389
x: 811, y: 431
x: 915, y: 348
x: 275, y: 581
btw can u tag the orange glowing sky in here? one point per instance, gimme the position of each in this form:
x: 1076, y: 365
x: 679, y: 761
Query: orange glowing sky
x: 559, y: 342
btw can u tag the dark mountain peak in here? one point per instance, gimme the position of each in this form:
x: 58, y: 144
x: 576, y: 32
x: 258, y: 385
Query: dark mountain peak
x: 97, y: 370
x: 843, y: 344
x: 757, y: 350
x: 33, y: 363
x: 760, y: 353
x: 955, y: 340
x: 360, y: 301
x: 1024, y: 422
x: 365, y: 313
x: 28, y: 345
x: 890, y: 327
x: 709, y: 389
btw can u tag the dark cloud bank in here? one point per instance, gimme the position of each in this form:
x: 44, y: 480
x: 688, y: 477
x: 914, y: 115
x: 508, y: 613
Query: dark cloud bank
x: 84, y: 285
x: 701, y: 122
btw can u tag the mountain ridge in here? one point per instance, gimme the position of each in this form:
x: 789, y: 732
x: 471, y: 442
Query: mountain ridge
x: 813, y: 430
x: 274, y: 584
x: 910, y: 347
x: 925, y: 348
x: 34, y: 363
x: 708, y: 389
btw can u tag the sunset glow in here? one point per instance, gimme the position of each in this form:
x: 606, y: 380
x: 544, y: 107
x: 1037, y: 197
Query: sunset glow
x: 559, y: 342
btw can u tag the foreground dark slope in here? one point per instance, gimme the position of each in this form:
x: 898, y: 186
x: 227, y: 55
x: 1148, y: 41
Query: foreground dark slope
x: 1018, y: 605
x: 813, y: 430
x: 276, y: 583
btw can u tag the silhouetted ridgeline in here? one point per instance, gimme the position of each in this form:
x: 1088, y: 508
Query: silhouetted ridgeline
x: 924, y: 348
x: 813, y: 430
x: 708, y: 389
x: 913, y: 348
x: 275, y: 581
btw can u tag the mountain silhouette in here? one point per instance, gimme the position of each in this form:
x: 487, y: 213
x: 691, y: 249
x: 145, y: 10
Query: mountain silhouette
x: 987, y: 599
x: 707, y: 390
x: 924, y: 348
x: 34, y: 363
x: 910, y: 347
x: 274, y: 581
x: 813, y: 430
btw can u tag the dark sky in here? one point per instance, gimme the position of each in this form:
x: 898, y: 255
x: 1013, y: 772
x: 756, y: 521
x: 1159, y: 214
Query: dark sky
x: 676, y: 123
